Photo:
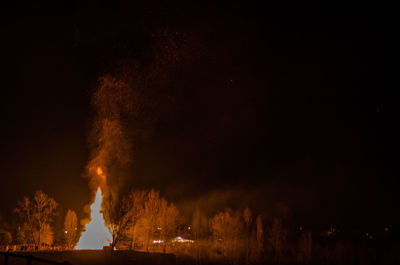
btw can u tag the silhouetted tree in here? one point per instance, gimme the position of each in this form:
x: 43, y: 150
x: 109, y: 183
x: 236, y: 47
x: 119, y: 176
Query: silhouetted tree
x: 200, y: 229
x: 305, y: 247
x: 151, y: 209
x: 247, y: 220
x: 70, y: 229
x: 260, y: 237
x: 5, y: 238
x: 20, y: 237
x: 119, y: 214
x: 227, y: 230
x: 276, y: 239
x: 167, y: 221
x: 137, y: 199
x: 199, y: 225
x: 36, y: 215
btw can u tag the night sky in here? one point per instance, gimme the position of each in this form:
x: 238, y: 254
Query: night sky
x: 286, y: 104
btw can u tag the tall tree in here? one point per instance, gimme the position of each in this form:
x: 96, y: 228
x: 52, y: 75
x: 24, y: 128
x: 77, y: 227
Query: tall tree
x: 119, y: 211
x: 200, y: 235
x: 305, y: 247
x: 138, y: 199
x: 260, y: 237
x: 227, y: 229
x: 20, y: 237
x: 276, y: 239
x: 247, y: 220
x: 151, y: 210
x: 70, y: 229
x: 199, y: 225
x: 37, y: 215
x: 5, y: 238
x: 5, y: 235
x: 167, y: 221
x: 123, y: 215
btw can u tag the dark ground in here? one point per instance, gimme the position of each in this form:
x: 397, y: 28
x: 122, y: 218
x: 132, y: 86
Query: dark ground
x: 364, y: 253
x: 89, y: 257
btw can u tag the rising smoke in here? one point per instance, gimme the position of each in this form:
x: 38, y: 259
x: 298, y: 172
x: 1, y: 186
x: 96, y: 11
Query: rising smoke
x: 126, y: 104
x: 112, y: 146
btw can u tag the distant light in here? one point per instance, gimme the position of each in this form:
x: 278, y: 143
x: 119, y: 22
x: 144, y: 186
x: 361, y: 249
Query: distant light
x: 189, y: 227
x: 182, y: 240
x: 65, y: 232
x: 300, y: 228
x: 158, y: 241
x: 386, y: 229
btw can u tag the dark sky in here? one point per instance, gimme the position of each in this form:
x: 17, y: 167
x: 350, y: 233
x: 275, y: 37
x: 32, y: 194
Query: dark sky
x: 294, y: 103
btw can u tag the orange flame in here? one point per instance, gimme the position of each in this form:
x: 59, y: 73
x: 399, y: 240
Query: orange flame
x: 99, y: 171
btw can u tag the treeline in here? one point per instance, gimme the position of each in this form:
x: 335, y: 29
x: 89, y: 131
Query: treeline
x: 34, y: 223
x: 134, y: 220
x: 236, y: 237
x: 142, y: 220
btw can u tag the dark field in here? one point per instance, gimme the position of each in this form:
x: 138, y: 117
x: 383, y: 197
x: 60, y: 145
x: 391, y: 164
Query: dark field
x: 339, y: 254
x: 91, y: 257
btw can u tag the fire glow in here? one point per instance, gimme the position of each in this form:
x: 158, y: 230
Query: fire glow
x: 96, y: 234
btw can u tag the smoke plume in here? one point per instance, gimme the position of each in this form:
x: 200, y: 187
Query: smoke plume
x: 112, y: 101
x: 127, y: 104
